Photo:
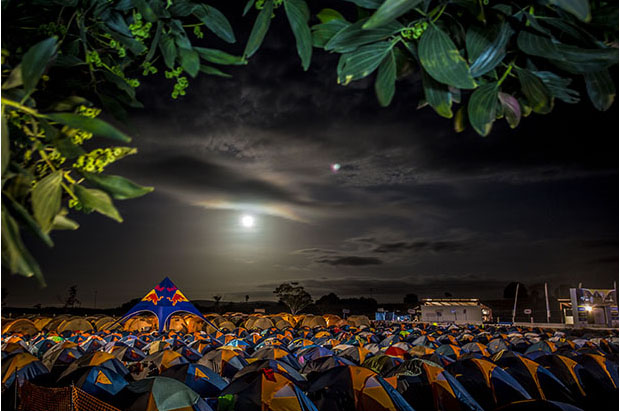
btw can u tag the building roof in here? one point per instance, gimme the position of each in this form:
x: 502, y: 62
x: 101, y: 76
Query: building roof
x: 450, y: 302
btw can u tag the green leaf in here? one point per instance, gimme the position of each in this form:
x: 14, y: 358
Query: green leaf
x: 180, y: 8
x: 558, y: 86
x: 34, y: 62
x: 482, y: 107
x: 354, y: 36
x: 570, y: 58
x: 442, y: 61
x: 511, y: 109
x: 46, y: 199
x: 219, y: 57
x: 95, y: 126
x: 490, y: 56
x: 14, y: 79
x: 118, y: 187
x: 129, y: 43
x: 296, y: 12
x: 168, y: 50
x: 155, y: 41
x: 248, y: 6
x: 14, y: 254
x: 459, y: 120
x: 362, y: 62
x: 216, y: 22
x: 437, y: 95
x: 117, y: 23
x: 259, y: 30
x: 5, y: 148
x: 538, y: 95
x: 386, y: 80
x: 367, y: 4
x: 20, y: 211
x: 601, y: 89
x: 578, y: 8
x: 213, y: 71
x: 145, y: 10
x: 323, y: 33
x: 390, y: 10
x: 190, y: 61
x: 61, y: 222
x: 97, y: 200
x: 327, y: 15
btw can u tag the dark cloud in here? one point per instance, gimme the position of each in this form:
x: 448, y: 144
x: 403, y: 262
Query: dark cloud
x: 350, y: 261
x: 204, y: 176
x: 420, y: 246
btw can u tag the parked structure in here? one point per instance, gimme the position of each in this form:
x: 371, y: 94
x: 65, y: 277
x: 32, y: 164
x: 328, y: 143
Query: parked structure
x: 455, y: 311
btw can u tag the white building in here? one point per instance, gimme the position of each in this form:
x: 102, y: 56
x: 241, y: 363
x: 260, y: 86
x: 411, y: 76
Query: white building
x: 454, y: 311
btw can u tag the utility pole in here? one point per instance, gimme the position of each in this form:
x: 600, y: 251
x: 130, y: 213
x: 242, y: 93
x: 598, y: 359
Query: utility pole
x: 514, y: 309
x: 547, y: 301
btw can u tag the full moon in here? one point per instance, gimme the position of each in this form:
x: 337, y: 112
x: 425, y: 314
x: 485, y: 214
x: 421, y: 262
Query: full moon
x: 247, y: 221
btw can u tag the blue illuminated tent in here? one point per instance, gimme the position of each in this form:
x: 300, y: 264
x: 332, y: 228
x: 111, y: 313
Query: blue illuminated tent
x: 163, y: 301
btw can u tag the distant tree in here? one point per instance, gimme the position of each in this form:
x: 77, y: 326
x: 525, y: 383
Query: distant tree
x: 447, y: 294
x: 294, y: 296
x: 330, y: 299
x: 411, y: 299
x: 37, y: 306
x: 5, y: 293
x: 128, y: 305
x: 510, y: 289
x: 71, y: 300
x: 247, y: 298
x: 217, y: 299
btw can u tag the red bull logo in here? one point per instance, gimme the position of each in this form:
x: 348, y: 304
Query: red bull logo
x: 178, y: 297
x: 152, y: 297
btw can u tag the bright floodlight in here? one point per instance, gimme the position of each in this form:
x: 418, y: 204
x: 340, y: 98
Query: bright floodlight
x: 588, y: 308
x: 247, y: 221
x: 335, y: 167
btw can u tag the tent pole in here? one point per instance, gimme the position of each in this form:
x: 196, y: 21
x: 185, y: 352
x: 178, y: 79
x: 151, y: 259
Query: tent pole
x: 514, y: 309
x: 547, y: 301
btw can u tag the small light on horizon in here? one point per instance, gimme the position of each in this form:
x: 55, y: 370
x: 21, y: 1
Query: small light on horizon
x: 247, y: 221
x: 335, y: 167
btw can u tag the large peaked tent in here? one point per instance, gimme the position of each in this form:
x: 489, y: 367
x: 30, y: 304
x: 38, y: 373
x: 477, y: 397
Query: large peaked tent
x: 163, y: 301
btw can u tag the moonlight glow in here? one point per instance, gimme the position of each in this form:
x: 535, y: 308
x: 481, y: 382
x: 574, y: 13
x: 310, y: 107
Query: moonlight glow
x: 247, y: 221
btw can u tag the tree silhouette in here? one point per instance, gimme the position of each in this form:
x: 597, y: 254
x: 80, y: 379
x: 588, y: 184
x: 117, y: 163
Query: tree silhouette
x: 71, y: 300
x: 293, y: 296
x: 411, y: 299
x: 247, y: 298
x: 329, y: 299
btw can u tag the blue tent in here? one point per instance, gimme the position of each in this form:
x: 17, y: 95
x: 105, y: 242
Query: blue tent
x: 163, y: 301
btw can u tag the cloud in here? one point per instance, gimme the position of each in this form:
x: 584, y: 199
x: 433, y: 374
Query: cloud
x: 350, y: 261
x: 420, y: 246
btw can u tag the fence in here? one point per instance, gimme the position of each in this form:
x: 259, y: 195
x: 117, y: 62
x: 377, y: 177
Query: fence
x: 38, y: 398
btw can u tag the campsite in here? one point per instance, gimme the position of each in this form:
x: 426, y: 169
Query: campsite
x: 365, y: 205
x: 161, y: 356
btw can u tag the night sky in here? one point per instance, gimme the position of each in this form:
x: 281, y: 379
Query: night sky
x: 414, y: 208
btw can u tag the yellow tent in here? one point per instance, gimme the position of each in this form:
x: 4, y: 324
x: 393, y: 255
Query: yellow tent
x: 22, y: 325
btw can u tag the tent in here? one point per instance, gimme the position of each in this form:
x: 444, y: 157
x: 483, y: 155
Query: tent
x: 163, y: 301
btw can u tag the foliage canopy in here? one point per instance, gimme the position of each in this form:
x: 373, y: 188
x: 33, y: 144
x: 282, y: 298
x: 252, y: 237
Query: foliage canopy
x: 64, y: 61
x: 294, y: 296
